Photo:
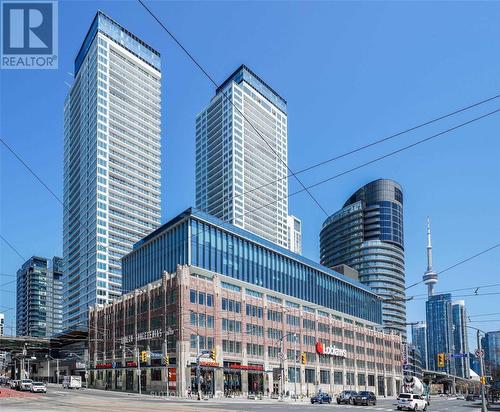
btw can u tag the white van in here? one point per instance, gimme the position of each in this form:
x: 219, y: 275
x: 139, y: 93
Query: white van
x: 72, y: 382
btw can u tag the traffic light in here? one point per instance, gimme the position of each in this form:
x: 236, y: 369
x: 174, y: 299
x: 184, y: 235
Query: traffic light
x: 166, y: 359
x: 441, y: 360
x: 303, y: 358
x: 213, y: 354
x: 482, y: 379
x: 144, y: 356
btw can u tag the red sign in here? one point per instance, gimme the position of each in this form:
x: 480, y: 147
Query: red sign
x: 247, y: 367
x: 104, y: 366
x: 211, y: 364
x: 131, y: 364
x: 172, y: 374
x: 319, y: 348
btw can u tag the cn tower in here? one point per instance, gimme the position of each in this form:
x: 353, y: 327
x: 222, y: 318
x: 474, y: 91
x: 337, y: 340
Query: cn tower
x: 430, y: 277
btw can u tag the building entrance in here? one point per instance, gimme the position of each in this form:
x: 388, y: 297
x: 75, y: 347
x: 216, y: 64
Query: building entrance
x: 207, y: 382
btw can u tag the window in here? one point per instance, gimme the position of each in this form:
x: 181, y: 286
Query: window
x: 254, y: 311
x: 293, y: 320
x: 231, y: 305
x: 231, y: 346
x: 210, y: 299
x: 350, y: 378
x: 201, y: 298
x: 324, y: 376
x: 310, y: 376
x: 230, y: 325
x: 371, y: 380
x: 361, y: 379
x: 309, y: 324
x: 156, y: 374
x: 293, y: 374
x: 192, y: 296
x: 337, y: 378
x: 274, y: 315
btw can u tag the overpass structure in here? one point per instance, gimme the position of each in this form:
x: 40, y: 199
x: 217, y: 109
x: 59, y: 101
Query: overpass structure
x: 452, y: 384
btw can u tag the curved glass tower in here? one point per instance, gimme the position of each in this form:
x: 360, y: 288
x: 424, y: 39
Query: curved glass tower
x: 367, y: 234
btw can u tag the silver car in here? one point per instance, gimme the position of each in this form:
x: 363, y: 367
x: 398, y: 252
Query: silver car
x: 25, y: 385
x: 38, y: 387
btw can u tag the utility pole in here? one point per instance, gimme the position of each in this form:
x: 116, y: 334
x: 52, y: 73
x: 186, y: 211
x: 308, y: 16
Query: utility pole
x: 57, y: 369
x: 198, y: 366
x: 481, y: 368
x: 139, y: 371
x: 295, y: 364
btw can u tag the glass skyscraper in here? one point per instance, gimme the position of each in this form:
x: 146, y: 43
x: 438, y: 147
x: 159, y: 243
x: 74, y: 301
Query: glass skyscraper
x: 491, y: 347
x: 438, y: 310
x: 111, y: 163
x: 419, y: 339
x: 367, y: 235
x: 39, y: 297
x: 460, y: 342
x: 239, y: 178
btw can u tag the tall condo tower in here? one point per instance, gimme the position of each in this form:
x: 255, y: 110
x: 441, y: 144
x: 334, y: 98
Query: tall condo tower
x: 367, y: 235
x: 430, y: 277
x: 241, y: 157
x: 111, y: 163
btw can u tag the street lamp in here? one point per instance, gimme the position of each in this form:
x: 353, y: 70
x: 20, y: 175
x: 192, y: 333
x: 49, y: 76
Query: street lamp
x: 481, y: 367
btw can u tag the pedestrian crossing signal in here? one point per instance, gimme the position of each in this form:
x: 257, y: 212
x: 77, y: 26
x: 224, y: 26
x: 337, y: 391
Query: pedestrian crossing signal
x: 166, y: 358
x: 441, y: 360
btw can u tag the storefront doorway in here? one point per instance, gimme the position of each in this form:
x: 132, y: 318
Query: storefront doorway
x: 232, y: 379
x: 255, y: 383
x: 380, y: 386
x: 129, y: 380
x: 207, y: 381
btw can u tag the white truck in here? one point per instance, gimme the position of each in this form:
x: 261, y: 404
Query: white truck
x: 413, y: 396
x: 72, y: 382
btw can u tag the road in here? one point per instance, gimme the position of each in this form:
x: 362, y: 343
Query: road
x: 58, y: 399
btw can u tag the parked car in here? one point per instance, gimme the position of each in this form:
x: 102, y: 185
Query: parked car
x: 471, y: 398
x: 411, y: 402
x: 461, y: 397
x: 12, y: 384
x: 321, y: 397
x: 365, y: 398
x: 38, y: 387
x: 346, y: 397
x: 25, y: 385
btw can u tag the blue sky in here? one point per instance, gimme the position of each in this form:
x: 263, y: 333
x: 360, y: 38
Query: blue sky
x: 352, y: 72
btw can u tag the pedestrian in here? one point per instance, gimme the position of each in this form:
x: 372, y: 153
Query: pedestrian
x: 189, y: 392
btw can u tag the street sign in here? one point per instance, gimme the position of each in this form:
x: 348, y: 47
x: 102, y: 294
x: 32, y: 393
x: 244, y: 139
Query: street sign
x: 281, y: 356
x: 459, y: 355
x: 479, y: 353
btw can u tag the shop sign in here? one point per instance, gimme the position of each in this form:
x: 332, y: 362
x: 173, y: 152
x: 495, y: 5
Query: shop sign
x: 155, y: 355
x: 330, y: 350
x: 404, y: 354
x: 210, y: 364
x: 172, y: 374
x: 150, y: 334
x: 104, y: 366
x: 131, y: 364
x: 80, y: 365
x: 246, y: 367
